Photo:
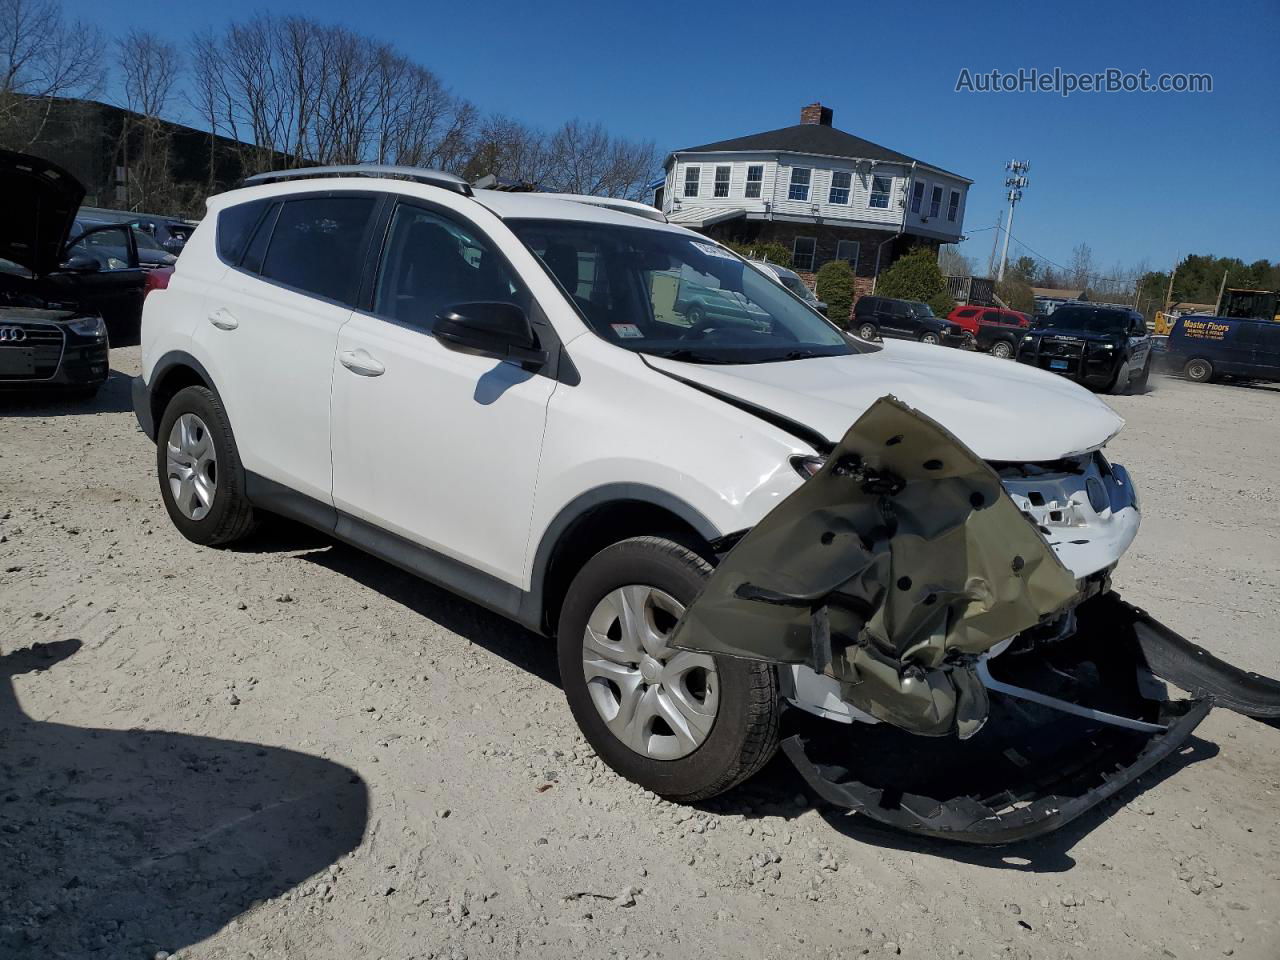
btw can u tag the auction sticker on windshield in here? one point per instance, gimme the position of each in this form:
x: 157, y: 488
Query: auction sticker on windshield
x: 626, y: 330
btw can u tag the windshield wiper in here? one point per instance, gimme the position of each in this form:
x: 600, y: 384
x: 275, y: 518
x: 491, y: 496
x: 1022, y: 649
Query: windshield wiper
x: 690, y: 356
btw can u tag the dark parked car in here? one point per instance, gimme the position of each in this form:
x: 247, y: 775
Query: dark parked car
x: 104, y: 244
x: 1204, y: 348
x: 993, y: 330
x: 875, y: 317
x: 170, y: 235
x: 1105, y: 348
x: 58, y: 300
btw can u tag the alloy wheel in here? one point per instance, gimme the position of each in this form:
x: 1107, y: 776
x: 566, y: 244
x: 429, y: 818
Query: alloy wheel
x: 867, y: 332
x: 659, y: 701
x: 1001, y: 350
x: 192, y: 467
x: 930, y: 338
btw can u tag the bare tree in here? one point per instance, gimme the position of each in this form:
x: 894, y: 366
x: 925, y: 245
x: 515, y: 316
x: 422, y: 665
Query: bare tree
x: 587, y: 159
x: 42, y: 56
x: 1081, y: 268
x: 150, y: 68
x: 952, y: 262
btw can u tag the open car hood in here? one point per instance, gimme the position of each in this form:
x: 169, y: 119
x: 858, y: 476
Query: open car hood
x: 40, y: 201
x: 1002, y: 411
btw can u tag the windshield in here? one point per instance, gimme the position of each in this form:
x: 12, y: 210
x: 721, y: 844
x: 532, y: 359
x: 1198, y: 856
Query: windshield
x: 1088, y: 319
x: 920, y: 309
x: 675, y: 296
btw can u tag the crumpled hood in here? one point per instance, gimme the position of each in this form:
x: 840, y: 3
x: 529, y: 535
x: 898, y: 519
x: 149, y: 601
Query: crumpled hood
x: 999, y: 409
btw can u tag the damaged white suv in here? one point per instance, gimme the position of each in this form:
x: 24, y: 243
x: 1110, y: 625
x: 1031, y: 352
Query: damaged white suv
x: 618, y: 433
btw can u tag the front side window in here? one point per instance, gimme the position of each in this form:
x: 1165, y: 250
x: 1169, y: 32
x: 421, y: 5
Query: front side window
x: 917, y: 195
x: 803, y: 252
x: 691, y: 177
x: 318, y: 246
x: 935, y: 202
x: 799, y: 189
x: 841, y: 182
x: 953, y: 207
x: 847, y: 250
x: 109, y: 246
x: 755, y: 177
x: 664, y: 293
x: 430, y: 263
x: 880, y: 187
x: 722, y: 182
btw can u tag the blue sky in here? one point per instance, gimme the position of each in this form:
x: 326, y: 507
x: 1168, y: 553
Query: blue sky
x: 1137, y: 176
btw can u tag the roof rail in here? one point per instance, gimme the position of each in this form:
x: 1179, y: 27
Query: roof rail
x: 436, y: 178
x: 613, y: 203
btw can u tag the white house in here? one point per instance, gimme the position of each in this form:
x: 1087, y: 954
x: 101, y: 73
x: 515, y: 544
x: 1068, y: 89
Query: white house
x: 822, y: 193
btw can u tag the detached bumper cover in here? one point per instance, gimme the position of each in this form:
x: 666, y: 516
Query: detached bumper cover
x: 1000, y: 819
x: 1034, y: 769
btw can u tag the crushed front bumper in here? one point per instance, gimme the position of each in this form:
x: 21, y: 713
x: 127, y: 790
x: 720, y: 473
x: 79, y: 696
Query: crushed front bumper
x: 1035, y: 767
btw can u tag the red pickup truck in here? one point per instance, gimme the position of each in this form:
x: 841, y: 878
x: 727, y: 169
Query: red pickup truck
x: 993, y: 330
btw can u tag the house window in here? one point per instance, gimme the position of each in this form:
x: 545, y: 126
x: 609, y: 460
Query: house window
x: 848, y: 250
x: 841, y: 180
x: 803, y: 252
x: 691, y: 175
x: 954, y: 206
x: 880, y: 192
x: 799, y: 183
x: 755, y: 177
x: 722, y: 182
x: 935, y: 202
x: 917, y: 195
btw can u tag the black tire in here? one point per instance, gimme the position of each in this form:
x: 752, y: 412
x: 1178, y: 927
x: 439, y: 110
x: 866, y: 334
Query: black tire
x: 1002, y: 350
x: 868, y: 331
x: 1139, y: 383
x: 231, y: 516
x: 930, y: 338
x: 745, y: 732
x: 1198, y: 370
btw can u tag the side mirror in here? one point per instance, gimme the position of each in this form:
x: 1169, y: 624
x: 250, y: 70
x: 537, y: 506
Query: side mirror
x: 81, y: 263
x: 489, y: 329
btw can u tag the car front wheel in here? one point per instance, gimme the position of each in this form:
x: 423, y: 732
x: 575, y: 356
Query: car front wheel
x: 930, y: 338
x: 867, y: 331
x: 201, y: 479
x: 685, y: 725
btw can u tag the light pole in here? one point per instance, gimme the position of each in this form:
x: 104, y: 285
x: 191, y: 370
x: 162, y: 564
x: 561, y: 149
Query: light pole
x: 1016, y: 182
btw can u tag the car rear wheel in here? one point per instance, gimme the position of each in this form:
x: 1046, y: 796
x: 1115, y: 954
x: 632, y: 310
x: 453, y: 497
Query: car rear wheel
x: 930, y: 338
x: 685, y: 725
x: 1201, y: 371
x: 867, y: 331
x: 1002, y: 350
x: 201, y: 478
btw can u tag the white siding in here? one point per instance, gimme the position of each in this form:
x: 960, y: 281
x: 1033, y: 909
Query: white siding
x: 777, y: 182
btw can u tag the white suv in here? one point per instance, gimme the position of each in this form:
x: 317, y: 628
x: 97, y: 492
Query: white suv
x: 569, y: 411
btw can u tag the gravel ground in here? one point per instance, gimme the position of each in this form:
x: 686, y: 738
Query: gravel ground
x: 291, y: 750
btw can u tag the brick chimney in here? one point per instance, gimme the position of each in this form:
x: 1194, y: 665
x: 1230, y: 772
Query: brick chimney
x: 816, y: 113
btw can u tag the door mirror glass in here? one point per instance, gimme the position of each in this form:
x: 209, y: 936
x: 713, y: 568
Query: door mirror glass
x: 489, y: 329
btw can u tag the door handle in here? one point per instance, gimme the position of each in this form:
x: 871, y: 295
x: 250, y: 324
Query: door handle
x: 223, y: 319
x: 359, y: 362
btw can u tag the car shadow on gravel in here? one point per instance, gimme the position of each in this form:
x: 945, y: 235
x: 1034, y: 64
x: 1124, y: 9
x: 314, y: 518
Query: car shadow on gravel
x: 122, y: 843
x: 113, y: 397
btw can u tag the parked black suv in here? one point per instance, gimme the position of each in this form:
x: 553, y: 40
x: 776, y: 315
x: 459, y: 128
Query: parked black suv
x: 1105, y: 348
x: 875, y: 317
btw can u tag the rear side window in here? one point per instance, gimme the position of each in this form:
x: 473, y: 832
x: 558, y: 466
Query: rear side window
x: 235, y: 227
x: 318, y: 246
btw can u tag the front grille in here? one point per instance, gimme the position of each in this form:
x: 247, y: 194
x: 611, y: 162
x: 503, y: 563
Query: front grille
x: 45, y: 339
x: 1061, y: 348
